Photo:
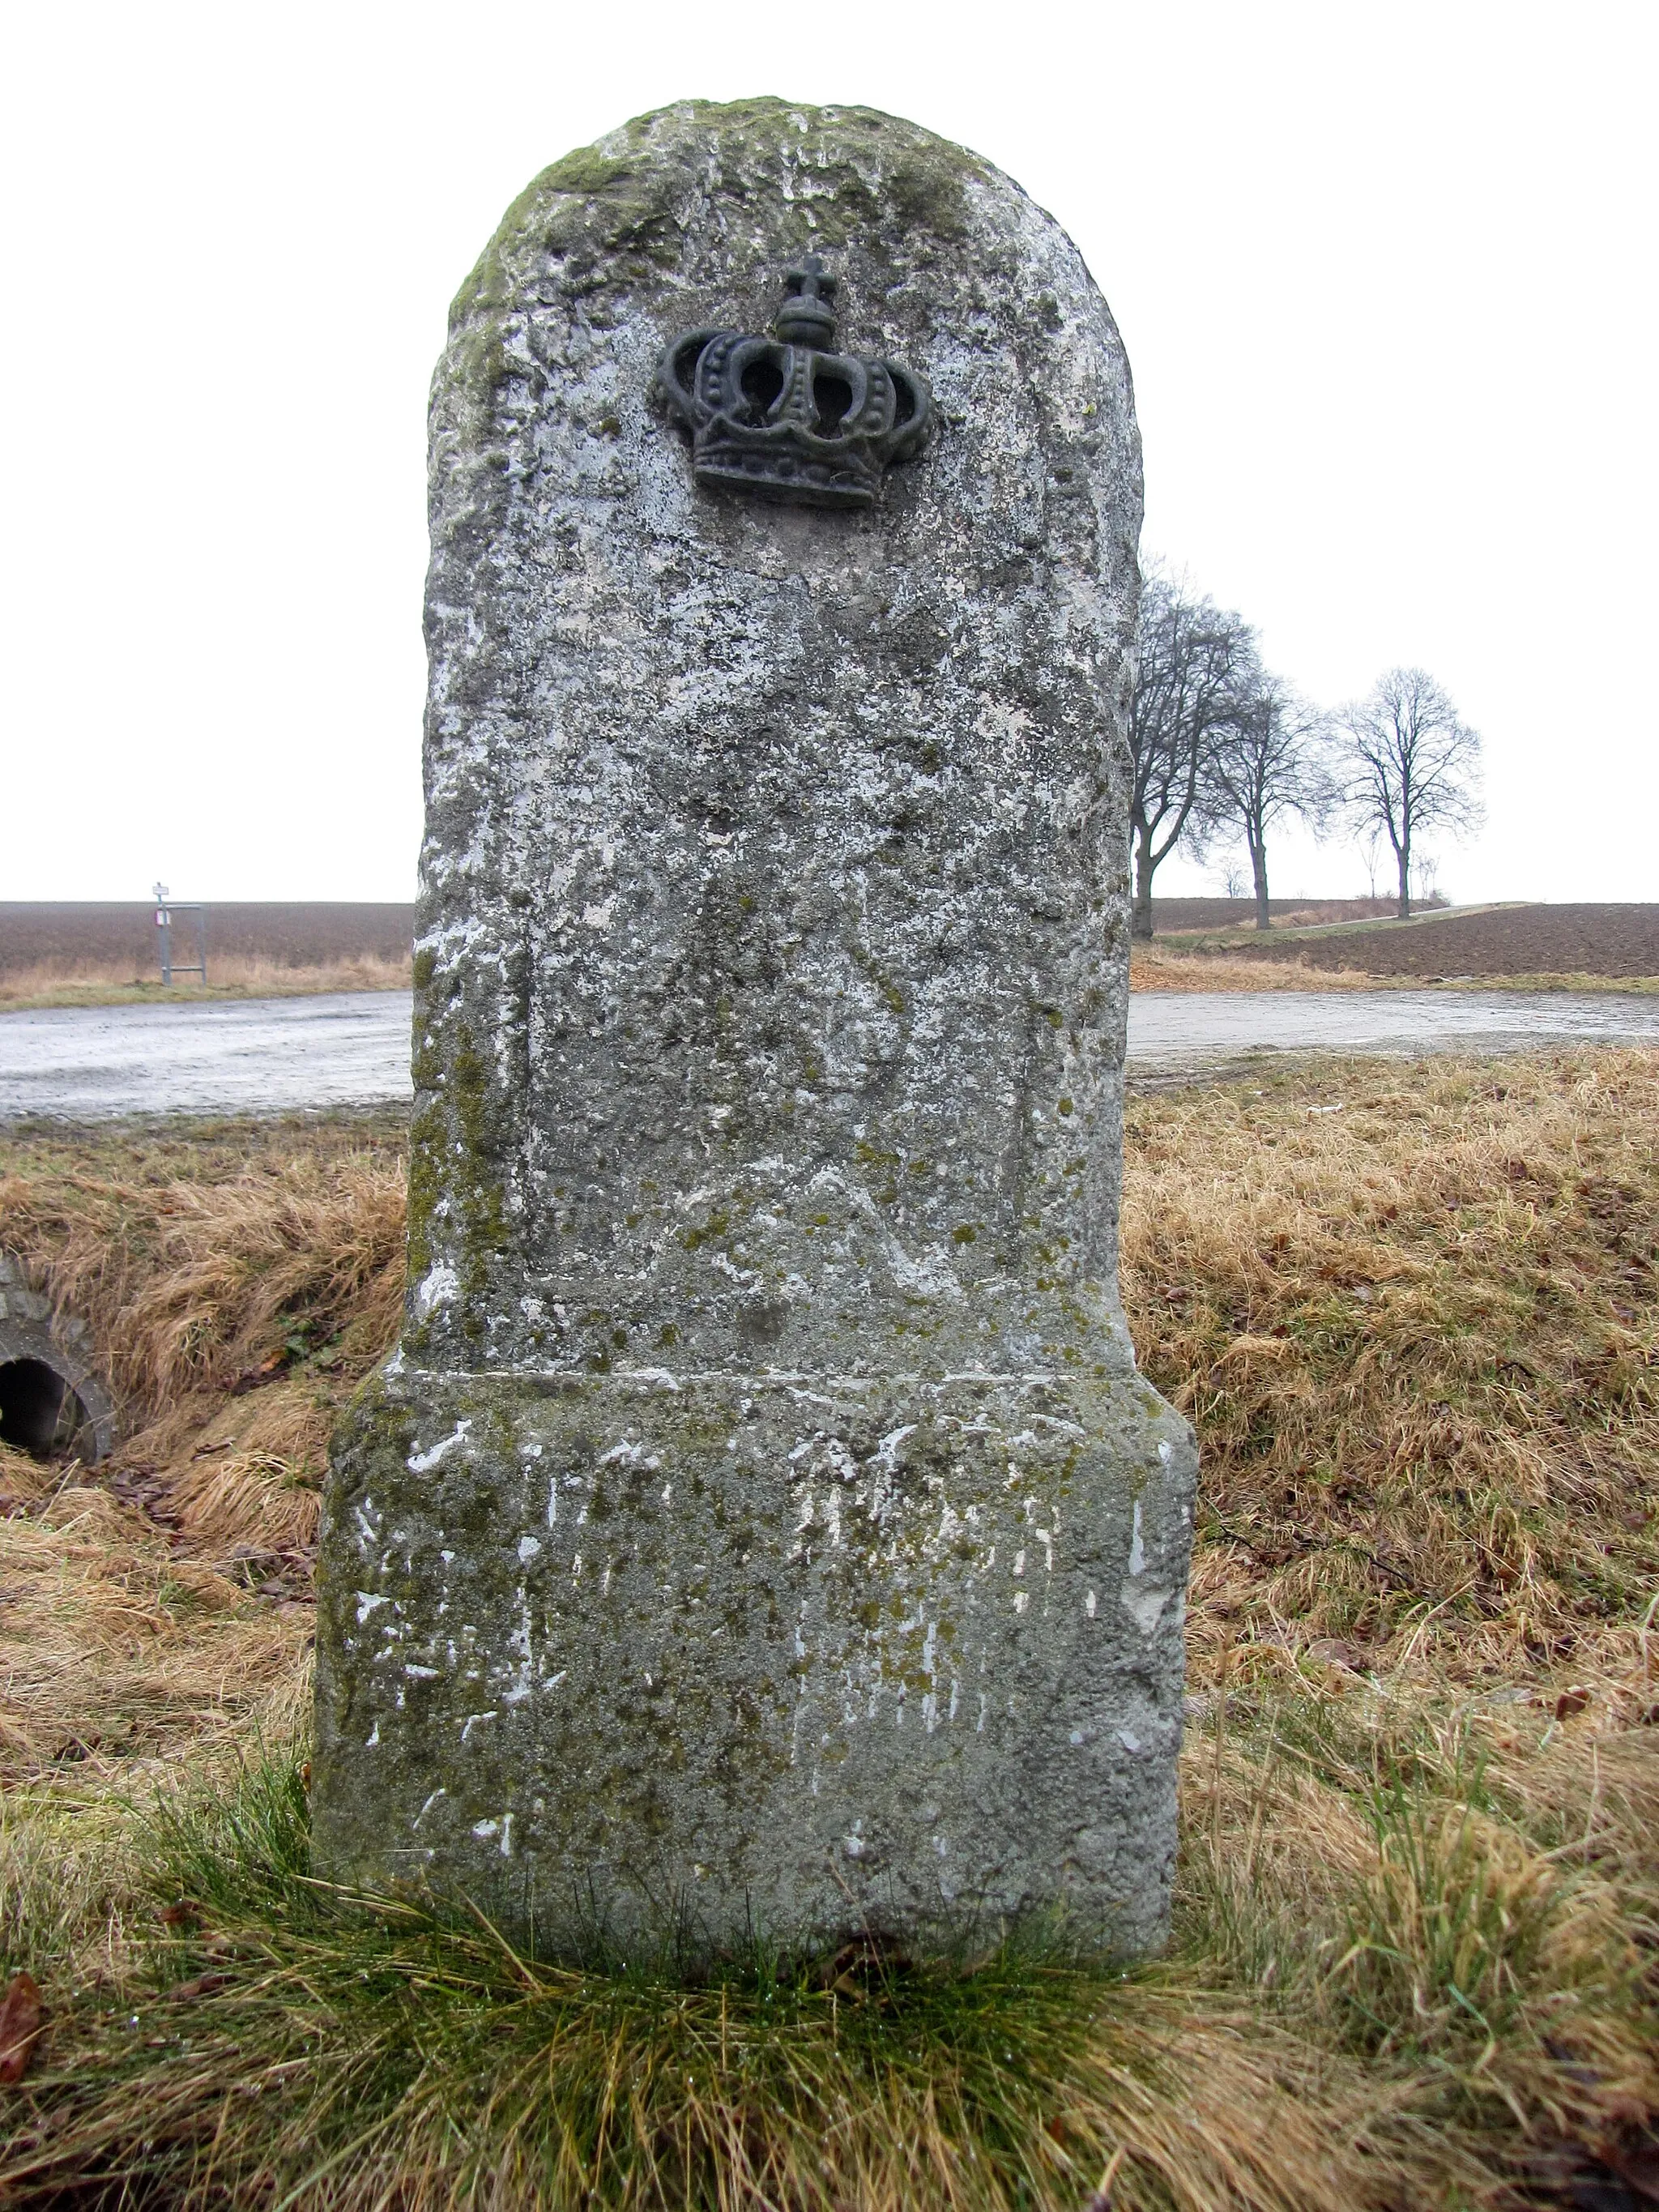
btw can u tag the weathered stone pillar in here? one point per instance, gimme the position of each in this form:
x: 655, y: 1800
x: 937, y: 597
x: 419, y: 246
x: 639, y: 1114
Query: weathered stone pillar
x: 763, y: 1526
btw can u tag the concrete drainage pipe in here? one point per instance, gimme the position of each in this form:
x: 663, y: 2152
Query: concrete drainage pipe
x: 50, y: 1400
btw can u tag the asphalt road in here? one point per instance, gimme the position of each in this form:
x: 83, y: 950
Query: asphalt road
x: 279, y: 1055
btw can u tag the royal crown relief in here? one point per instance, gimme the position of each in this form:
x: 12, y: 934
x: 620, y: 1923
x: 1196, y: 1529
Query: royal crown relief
x: 785, y: 417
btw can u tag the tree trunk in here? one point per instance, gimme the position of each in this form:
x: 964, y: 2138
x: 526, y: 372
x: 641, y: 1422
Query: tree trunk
x: 1404, y: 856
x: 1259, y: 870
x: 1141, y: 925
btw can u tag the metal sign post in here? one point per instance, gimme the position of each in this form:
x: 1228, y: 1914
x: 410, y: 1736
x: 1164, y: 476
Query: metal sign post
x: 166, y: 909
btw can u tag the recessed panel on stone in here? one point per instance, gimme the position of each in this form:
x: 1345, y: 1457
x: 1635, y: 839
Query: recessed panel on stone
x: 762, y: 1530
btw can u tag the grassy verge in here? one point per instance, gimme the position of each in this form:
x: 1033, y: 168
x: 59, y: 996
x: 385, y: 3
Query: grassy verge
x: 84, y: 984
x: 1223, y: 964
x: 1227, y: 965
x: 1414, y: 1312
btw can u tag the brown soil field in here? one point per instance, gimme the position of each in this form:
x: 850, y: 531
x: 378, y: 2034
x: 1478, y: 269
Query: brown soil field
x: 115, y: 941
x: 1183, y: 914
x: 1515, y: 941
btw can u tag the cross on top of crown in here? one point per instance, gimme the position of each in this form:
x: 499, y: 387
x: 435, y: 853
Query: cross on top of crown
x: 807, y: 316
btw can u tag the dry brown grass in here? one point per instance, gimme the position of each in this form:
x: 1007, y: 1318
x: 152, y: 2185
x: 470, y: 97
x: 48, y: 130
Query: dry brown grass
x: 1162, y: 968
x: 118, y: 1648
x: 193, y: 1282
x: 1169, y: 967
x: 238, y: 1283
x: 230, y: 975
x: 1414, y: 1312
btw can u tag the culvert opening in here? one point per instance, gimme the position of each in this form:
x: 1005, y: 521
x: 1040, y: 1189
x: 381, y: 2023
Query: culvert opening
x: 37, y: 1409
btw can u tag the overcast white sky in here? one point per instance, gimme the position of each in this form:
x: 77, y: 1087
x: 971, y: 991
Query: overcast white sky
x: 1386, y: 275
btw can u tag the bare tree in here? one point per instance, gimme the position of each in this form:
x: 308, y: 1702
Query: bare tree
x: 1410, y: 762
x: 1197, y: 661
x: 1368, y: 844
x: 1270, y: 760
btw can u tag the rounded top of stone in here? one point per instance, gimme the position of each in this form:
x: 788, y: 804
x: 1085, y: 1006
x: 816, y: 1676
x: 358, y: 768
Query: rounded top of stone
x: 790, y: 179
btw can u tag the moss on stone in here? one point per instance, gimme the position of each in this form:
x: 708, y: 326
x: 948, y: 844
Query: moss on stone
x: 585, y: 169
x: 425, y: 1186
x: 853, y: 169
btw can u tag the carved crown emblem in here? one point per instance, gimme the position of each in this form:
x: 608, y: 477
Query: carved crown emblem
x: 786, y: 417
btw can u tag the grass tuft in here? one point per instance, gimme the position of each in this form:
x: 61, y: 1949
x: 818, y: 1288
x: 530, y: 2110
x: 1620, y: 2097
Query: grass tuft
x: 275, y: 2040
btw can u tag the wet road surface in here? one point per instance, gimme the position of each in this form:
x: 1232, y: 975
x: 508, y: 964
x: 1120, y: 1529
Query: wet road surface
x: 1173, y: 1034
x: 227, y: 1056
x: 279, y: 1055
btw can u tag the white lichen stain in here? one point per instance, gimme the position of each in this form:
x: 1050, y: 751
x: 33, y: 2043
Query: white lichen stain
x: 1143, y: 1603
x: 886, y: 1452
x: 437, y: 1288
x: 420, y: 1463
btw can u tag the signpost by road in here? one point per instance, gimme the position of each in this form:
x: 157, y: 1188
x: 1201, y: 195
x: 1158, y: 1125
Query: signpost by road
x: 166, y: 911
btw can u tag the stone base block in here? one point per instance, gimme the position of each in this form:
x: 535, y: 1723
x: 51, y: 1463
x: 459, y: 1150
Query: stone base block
x: 695, y: 1659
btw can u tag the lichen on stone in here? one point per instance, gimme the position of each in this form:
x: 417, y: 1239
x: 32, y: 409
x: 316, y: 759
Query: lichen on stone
x: 764, y: 1463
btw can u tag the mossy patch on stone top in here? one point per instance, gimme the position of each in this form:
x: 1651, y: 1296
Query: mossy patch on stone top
x: 596, y: 200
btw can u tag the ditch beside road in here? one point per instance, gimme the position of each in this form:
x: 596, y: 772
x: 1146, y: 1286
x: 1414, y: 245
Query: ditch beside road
x: 351, y: 1049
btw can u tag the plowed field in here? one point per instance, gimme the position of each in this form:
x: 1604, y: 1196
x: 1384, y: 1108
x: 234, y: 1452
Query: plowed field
x: 118, y: 939
x: 1517, y: 940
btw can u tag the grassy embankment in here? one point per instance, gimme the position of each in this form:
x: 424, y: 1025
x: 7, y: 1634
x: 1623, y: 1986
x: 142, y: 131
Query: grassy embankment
x: 1208, y: 965
x: 1169, y: 965
x: 1414, y: 1312
x: 89, y: 983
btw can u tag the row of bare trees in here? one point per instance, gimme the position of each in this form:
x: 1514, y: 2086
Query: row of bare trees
x: 1223, y: 750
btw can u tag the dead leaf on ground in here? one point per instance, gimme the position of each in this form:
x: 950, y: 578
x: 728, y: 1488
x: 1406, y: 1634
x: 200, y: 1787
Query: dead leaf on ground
x: 203, y: 1986
x: 21, y: 2018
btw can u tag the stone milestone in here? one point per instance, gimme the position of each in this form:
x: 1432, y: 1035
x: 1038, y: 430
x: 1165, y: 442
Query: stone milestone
x: 762, y: 1530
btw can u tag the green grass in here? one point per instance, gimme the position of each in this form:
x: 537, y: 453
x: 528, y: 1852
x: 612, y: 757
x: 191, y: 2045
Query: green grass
x: 281, y: 2042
